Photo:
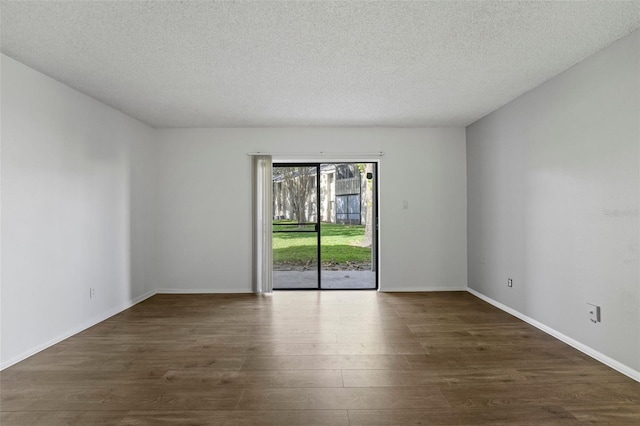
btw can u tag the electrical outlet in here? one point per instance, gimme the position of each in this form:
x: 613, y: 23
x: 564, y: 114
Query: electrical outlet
x: 92, y: 293
x: 509, y: 282
x: 405, y: 204
x: 594, y: 312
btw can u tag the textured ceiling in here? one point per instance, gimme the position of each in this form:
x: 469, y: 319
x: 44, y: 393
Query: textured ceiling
x: 243, y: 64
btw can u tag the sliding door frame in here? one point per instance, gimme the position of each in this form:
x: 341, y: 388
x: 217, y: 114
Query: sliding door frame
x: 375, y: 246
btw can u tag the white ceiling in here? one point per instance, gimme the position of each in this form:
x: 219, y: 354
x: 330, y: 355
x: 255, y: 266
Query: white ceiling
x: 245, y: 64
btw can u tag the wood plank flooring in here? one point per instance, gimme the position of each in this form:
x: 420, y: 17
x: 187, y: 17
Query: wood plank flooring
x: 315, y: 358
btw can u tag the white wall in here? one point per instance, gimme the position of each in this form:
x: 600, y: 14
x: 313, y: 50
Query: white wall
x: 553, y: 184
x: 204, y: 203
x: 76, y: 190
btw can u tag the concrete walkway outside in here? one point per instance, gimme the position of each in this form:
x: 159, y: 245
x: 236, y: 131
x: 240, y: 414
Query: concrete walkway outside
x: 330, y: 279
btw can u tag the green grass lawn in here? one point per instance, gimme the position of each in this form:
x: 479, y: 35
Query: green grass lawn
x: 339, y: 245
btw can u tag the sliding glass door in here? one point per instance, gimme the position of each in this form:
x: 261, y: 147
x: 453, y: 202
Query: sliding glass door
x: 324, y: 226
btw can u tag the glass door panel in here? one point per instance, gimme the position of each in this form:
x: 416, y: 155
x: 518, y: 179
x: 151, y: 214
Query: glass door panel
x: 349, y: 226
x: 296, y: 226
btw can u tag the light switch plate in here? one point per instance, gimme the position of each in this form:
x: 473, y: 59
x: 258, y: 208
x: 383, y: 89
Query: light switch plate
x: 594, y: 312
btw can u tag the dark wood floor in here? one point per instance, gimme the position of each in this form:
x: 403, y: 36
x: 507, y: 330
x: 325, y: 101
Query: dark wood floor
x: 315, y: 358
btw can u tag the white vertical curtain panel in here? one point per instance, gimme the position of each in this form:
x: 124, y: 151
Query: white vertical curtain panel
x: 262, y: 225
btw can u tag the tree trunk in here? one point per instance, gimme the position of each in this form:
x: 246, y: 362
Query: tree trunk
x: 368, y: 197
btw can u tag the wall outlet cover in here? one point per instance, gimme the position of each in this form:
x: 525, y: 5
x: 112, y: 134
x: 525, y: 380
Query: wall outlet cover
x: 594, y: 312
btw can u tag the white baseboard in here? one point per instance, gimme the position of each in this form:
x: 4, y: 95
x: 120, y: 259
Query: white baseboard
x: 598, y: 356
x: 202, y: 290
x: 89, y: 323
x: 422, y: 289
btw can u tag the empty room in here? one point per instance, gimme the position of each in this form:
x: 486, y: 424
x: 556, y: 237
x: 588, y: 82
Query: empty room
x: 319, y: 212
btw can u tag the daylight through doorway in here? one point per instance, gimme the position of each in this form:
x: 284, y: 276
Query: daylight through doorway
x: 324, y: 226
